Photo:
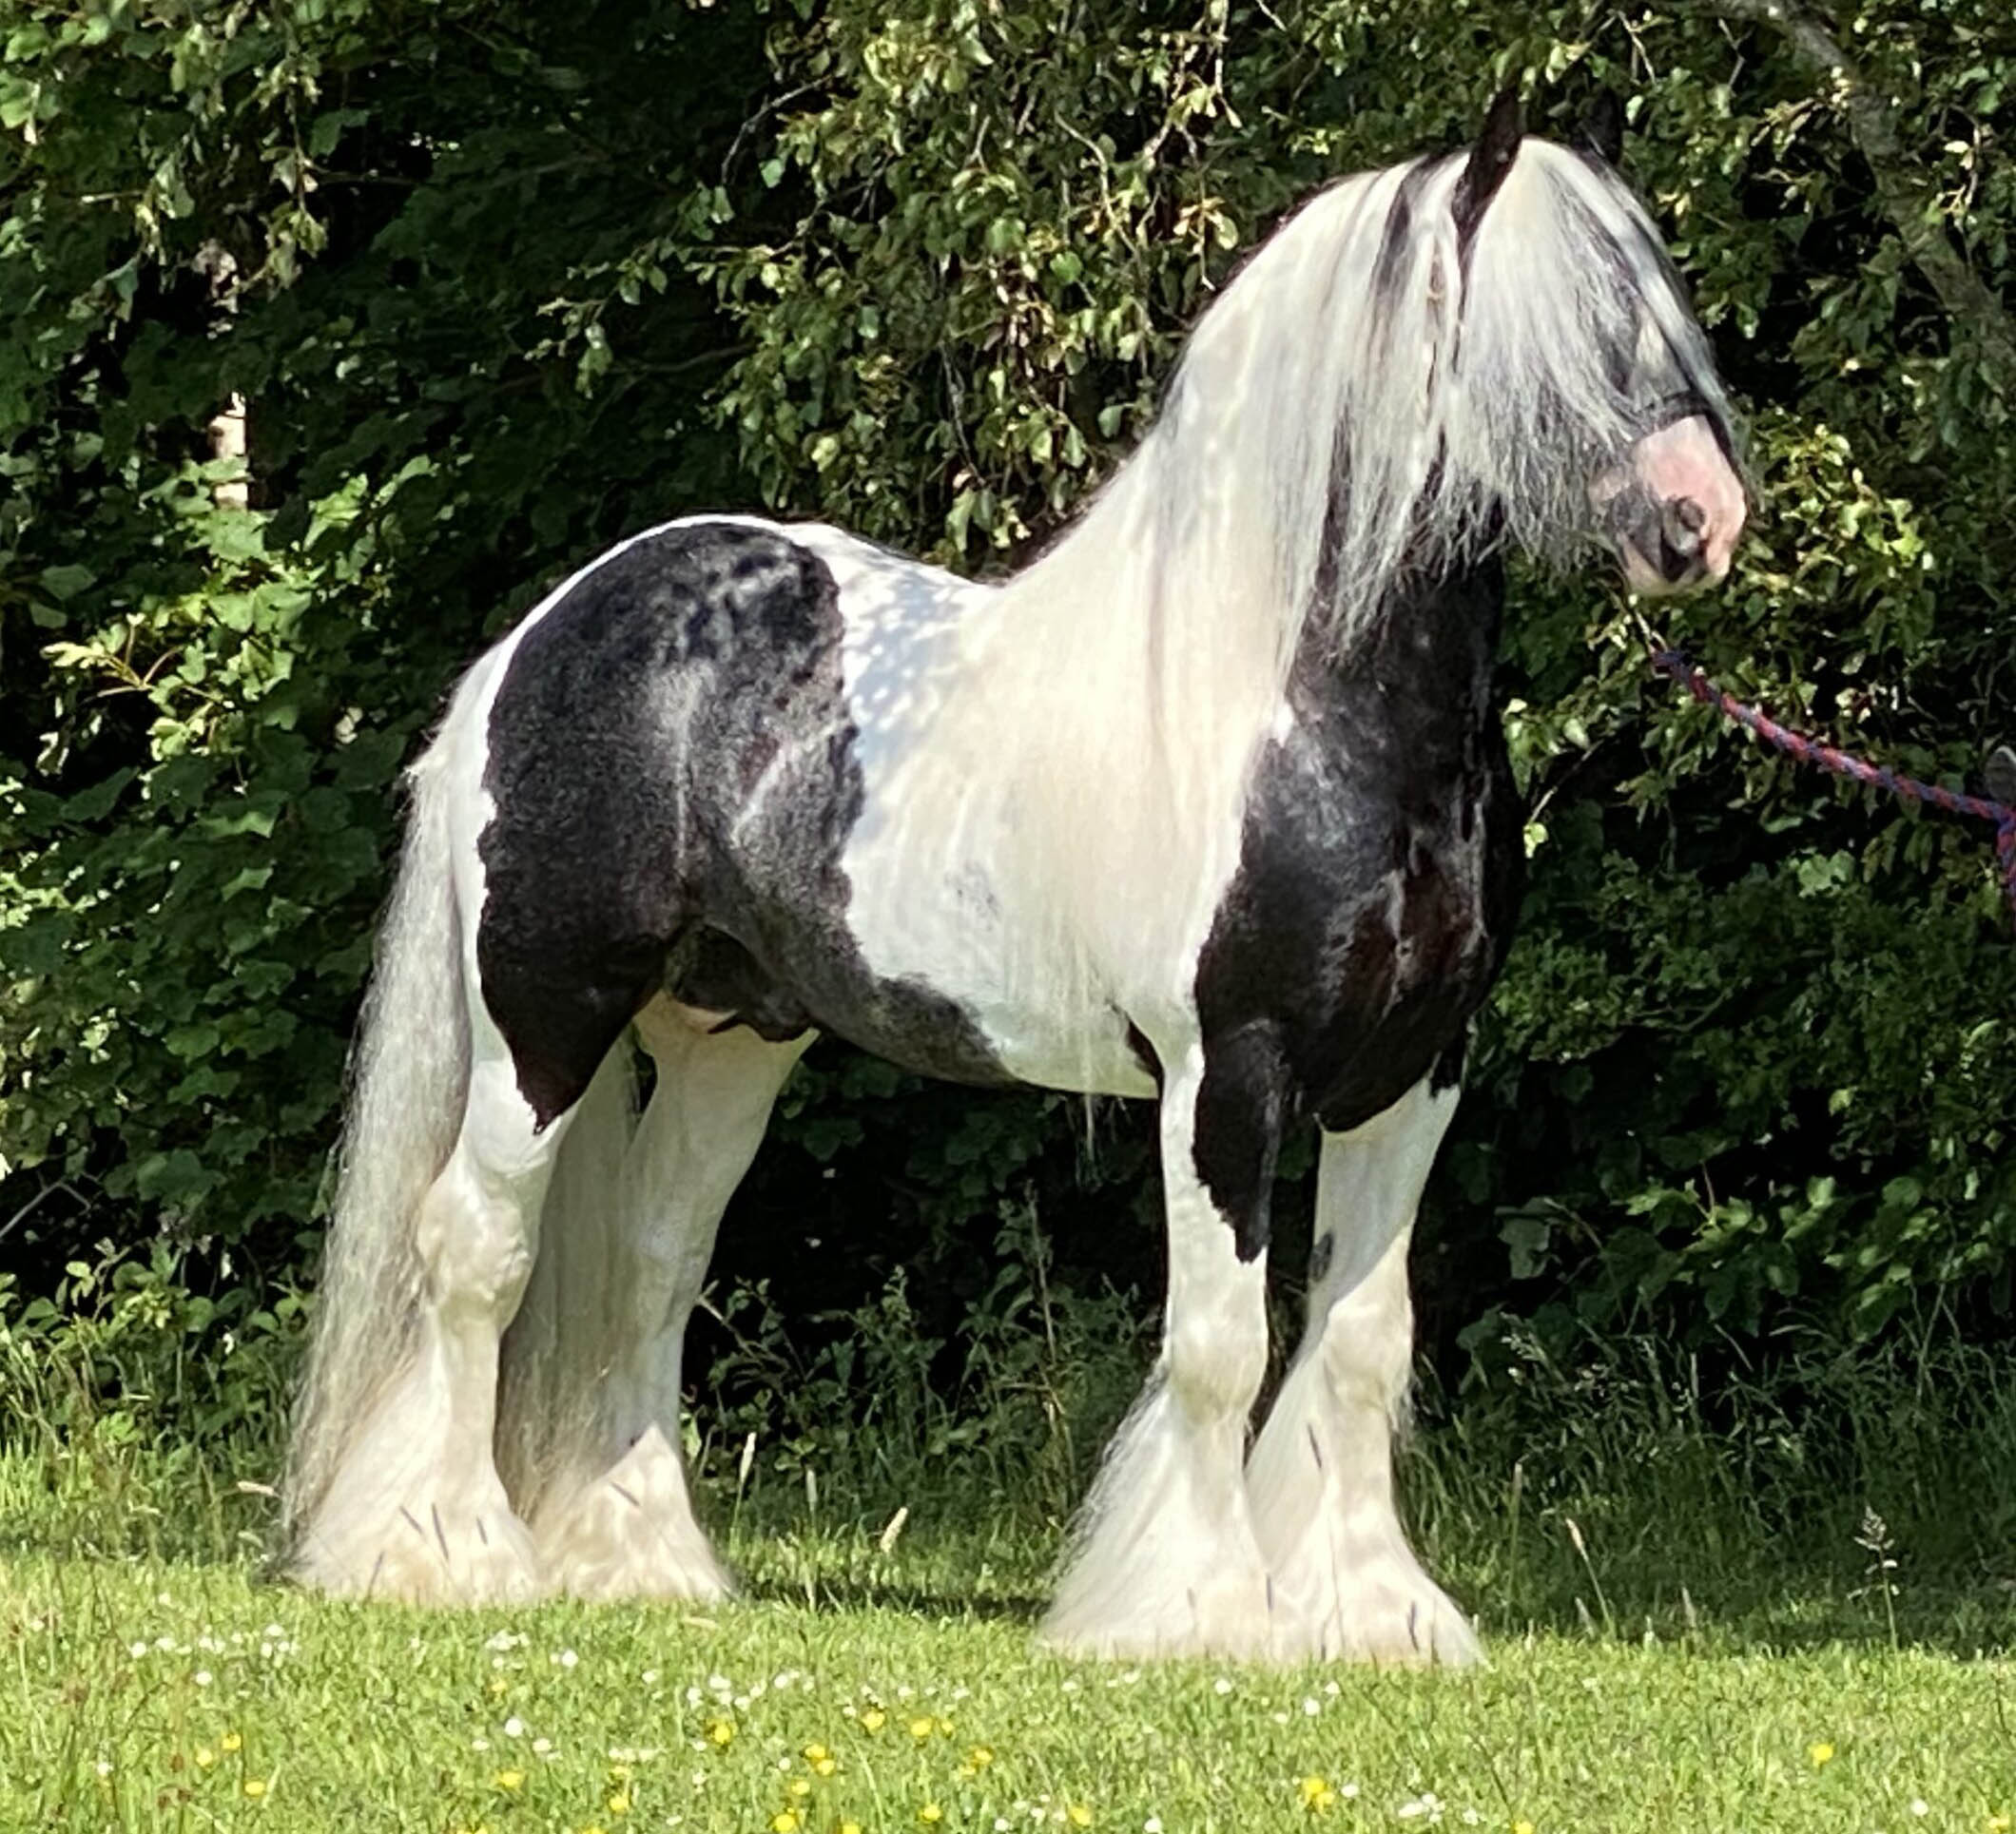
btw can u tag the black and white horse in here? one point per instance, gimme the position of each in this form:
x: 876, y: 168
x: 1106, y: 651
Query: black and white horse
x: 1207, y: 805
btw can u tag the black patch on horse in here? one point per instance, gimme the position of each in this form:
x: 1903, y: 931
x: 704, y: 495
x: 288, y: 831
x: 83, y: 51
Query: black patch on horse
x: 674, y: 772
x: 1391, y: 278
x: 1379, y: 877
x: 1490, y: 159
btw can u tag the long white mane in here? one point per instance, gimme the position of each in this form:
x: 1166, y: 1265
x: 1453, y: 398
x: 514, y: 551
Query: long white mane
x: 1368, y: 396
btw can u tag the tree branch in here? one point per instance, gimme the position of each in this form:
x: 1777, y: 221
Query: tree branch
x: 1906, y: 203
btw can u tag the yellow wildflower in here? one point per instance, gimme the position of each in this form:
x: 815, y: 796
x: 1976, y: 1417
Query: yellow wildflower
x: 231, y: 1740
x: 920, y: 1729
x: 1821, y: 1754
x: 510, y: 1780
x: 1522, y: 1827
x: 1317, y: 1795
x: 1080, y: 1815
x: 874, y: 1720
x: 944, y: 1725
x: 619, y: 1803
x: 930, y: 1813
x: 825, y: 1766
x: 205, y: 1757
x: 255, y: 1788
x: 980, y: 1757
x: 721, y: 1732
x: 813, y: 1753
x: 798, y: 1786
x: 2000, y: 1824
x: 783, y: 1822
x: 850, y: 1828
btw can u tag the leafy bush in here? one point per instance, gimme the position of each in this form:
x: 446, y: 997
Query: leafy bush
x: 501, y: 284
x: 128, y: 1353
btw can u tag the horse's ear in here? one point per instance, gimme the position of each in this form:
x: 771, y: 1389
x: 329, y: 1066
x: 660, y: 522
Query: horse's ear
x: 1604, y: 126
x: 1490, y: 160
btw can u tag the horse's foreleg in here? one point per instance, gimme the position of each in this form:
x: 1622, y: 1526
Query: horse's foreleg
x: 624, y: 1526
x: 1165, y: 1563
x: 415, y: 1509
x: 1345, y: 1581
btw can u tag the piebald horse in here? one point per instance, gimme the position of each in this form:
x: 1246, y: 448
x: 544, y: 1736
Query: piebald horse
x: 1208, y: 804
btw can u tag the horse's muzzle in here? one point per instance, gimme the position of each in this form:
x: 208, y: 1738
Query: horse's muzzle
x: 1681, y: 555
x: 1663, y: 545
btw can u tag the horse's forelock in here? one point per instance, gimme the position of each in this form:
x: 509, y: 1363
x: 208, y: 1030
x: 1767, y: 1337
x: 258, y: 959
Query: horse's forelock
x: 1562, y: 283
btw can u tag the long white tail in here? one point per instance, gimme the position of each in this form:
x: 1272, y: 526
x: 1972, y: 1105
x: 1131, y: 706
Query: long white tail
x: 410, y: 1078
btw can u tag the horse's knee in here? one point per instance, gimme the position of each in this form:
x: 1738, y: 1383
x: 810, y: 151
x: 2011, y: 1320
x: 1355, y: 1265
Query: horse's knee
x: 1218, y: 1351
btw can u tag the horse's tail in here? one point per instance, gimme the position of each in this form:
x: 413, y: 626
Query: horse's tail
x: 409, y: 1082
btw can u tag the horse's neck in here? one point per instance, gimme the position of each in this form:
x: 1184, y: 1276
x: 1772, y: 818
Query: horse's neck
x: 1423, y: 670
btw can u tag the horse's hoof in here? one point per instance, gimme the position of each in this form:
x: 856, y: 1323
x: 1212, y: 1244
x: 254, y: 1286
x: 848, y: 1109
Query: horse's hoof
x: 632, y: 1535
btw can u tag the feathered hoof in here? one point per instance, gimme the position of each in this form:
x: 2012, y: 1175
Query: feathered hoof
x: 428, y: 1550
x: 1387, y: 1613
x: 632, y: 1535
x: 1222, y: 1616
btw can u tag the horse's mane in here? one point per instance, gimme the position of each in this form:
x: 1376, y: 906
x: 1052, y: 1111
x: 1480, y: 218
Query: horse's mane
x: 1370, y: 393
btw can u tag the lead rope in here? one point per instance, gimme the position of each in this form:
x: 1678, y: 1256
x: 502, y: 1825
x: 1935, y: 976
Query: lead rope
x: 1672, y: 663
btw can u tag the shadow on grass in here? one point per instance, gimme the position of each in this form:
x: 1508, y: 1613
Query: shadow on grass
x: 1768, y: 1614
x: 1743, y: 1601
x: 1857, y: 1501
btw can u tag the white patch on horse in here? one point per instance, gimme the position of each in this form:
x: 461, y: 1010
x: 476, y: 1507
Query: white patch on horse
x: 1165, y: 1561
x: 923, y: 860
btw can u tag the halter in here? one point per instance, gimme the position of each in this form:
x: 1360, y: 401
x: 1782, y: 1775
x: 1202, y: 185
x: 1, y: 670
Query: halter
x: 1669, y: 410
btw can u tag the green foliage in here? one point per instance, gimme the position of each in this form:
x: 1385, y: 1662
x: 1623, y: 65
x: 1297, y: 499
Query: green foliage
x: 1018, y: 1403
x: 137, y: 1378
x: 499, y: 285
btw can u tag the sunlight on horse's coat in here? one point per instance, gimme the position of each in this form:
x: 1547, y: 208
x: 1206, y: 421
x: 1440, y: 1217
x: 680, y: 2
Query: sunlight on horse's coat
x: 1210, y: 802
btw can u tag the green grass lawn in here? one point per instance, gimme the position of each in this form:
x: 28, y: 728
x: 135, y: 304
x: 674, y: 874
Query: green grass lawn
x: 1695, y: 1618
x: 900, y: 1691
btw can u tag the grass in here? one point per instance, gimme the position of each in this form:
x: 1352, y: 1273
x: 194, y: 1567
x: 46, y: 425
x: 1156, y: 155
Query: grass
x: 152, y: 1681
x: 1747, y: 1604
x: 901, y: 1691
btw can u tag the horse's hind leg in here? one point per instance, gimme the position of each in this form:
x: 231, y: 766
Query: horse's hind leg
x: 616, y: 1521
x: 1321, y: 1478
x: 415, y: 1509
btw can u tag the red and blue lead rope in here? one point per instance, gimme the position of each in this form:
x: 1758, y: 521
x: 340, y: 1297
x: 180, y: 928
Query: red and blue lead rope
x: 1810, y: 751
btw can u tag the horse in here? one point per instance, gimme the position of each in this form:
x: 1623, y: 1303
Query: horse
x: 1208, y: 804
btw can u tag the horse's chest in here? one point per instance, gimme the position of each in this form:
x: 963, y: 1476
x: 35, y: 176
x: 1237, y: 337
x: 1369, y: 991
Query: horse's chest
x: 1378, y: 881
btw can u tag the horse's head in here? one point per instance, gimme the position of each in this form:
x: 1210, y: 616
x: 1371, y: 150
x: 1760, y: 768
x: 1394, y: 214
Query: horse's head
x: 1581, y: 309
